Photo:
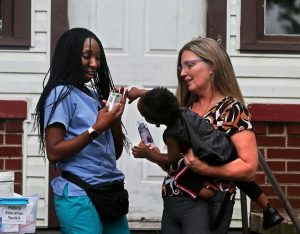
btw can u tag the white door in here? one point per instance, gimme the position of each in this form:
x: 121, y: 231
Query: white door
x: 141, y: 40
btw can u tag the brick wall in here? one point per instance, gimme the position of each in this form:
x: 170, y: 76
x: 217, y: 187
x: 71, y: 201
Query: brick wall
x: 278, y: 139
x: 12, y: 115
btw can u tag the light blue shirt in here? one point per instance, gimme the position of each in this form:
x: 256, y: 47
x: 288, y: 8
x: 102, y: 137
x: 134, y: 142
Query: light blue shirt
x: 96, y: 163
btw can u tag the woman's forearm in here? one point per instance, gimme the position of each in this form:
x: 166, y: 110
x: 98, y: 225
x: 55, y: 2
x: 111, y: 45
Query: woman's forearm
x: 241, y: 169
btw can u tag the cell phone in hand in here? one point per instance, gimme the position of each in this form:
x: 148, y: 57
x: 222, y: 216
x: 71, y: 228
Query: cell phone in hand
x: 113, y: 99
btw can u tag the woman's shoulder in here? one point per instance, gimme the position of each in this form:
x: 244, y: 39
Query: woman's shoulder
x: 231, y: 104
x: 61, y: 88
x: 230, y: 115
x: 60, y: 91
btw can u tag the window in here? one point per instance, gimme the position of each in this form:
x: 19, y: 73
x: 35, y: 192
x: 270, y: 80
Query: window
x: 282, y: 17
x: 270, y: 26
x: 15, y: 21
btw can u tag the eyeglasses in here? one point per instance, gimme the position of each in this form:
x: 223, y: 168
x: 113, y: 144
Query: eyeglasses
x: 188, y: 64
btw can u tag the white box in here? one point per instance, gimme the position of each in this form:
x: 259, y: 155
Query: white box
x: 31, y: 212
x: 7, y: 179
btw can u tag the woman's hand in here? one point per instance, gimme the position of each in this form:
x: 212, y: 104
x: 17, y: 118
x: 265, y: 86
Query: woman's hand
x: 116, y: 124
x: 106, y: 118
x: 194, y: 163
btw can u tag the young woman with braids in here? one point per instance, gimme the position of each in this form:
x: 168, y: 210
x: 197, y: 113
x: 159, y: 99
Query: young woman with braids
x: 78, y: 132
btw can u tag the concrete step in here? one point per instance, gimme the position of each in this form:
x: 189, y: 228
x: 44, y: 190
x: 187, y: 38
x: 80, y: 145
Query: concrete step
x: 286, y: 227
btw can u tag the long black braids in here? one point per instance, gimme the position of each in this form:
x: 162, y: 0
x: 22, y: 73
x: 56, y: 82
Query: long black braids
x: 66, y: 69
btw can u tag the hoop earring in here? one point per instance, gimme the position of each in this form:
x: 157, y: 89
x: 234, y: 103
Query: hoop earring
x: 212, y: 81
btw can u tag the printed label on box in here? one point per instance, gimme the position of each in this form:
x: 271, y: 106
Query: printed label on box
x: 14, y: 214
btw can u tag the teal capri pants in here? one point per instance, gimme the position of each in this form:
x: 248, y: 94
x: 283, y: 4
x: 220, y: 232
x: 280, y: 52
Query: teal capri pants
x: 77, y: 215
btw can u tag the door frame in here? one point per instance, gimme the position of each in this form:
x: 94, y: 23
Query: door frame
x: 59, y: 24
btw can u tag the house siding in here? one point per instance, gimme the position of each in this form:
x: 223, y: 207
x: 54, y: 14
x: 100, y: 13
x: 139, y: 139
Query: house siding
x: 264, y: 78
x: 21, y: 76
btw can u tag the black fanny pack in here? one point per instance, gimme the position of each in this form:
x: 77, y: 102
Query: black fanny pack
x: 110, y: 201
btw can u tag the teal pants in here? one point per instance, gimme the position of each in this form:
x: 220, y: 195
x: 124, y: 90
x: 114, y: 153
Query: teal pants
x: 77, y: 215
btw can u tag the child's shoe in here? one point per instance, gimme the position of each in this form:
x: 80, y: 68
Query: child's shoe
x: 216, y: 207
x: 271, y: 217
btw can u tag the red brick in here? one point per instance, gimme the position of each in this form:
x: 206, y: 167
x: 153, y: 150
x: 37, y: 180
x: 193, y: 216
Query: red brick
x: 1, y: 139
x: 293, y: 166
x: 293, y: 128
x: 13, y: 164
x: 1, y: 164
x: 293, y: 190
x: 293, y: 141
x: 13, y: 109
x: 260, y: 178
x: 13, y: 139
x: 6, y: 151
x: 14, y: 126
x: 295, y: 203
x: 287, y: 178
x: 275, y: 112
x: 276, y: 165
x: 284, y: 153
x: 259, y: 169
x: 276, y: 128
x: 260, y: 128
x: 1, y: 125
x: 268, y: 190
x: 270, y: 141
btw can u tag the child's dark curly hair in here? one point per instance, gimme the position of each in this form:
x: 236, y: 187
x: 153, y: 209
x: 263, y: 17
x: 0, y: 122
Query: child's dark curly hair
x: 159, y: 106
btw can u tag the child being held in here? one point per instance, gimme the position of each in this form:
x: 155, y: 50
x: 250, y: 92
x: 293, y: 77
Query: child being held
x: 186, y: 129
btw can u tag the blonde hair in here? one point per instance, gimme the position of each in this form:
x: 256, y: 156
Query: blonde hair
x: 216, y: 57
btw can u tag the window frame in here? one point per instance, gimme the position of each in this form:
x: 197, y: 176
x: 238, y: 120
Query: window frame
x: 252, y: 34
x: 16, y: 26
x: 216, y: 24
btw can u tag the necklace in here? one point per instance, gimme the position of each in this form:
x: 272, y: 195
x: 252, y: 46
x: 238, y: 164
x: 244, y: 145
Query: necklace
x: 197, y: 107
x: 207, y: 108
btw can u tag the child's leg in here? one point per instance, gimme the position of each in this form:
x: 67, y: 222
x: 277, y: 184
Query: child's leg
x: 252, y: 190
x: 271, y: 216
x: 262, y: 201
x: 190, y: 182
x: 206, y: 193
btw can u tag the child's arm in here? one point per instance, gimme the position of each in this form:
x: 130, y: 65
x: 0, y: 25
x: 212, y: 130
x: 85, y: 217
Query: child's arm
x: 143, y: 151
x: 174, y: 153
x: 135, y: 93
x: 164, y: 160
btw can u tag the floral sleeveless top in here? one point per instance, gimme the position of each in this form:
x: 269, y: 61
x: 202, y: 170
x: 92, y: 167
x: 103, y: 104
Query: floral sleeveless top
x: 230, y: 116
